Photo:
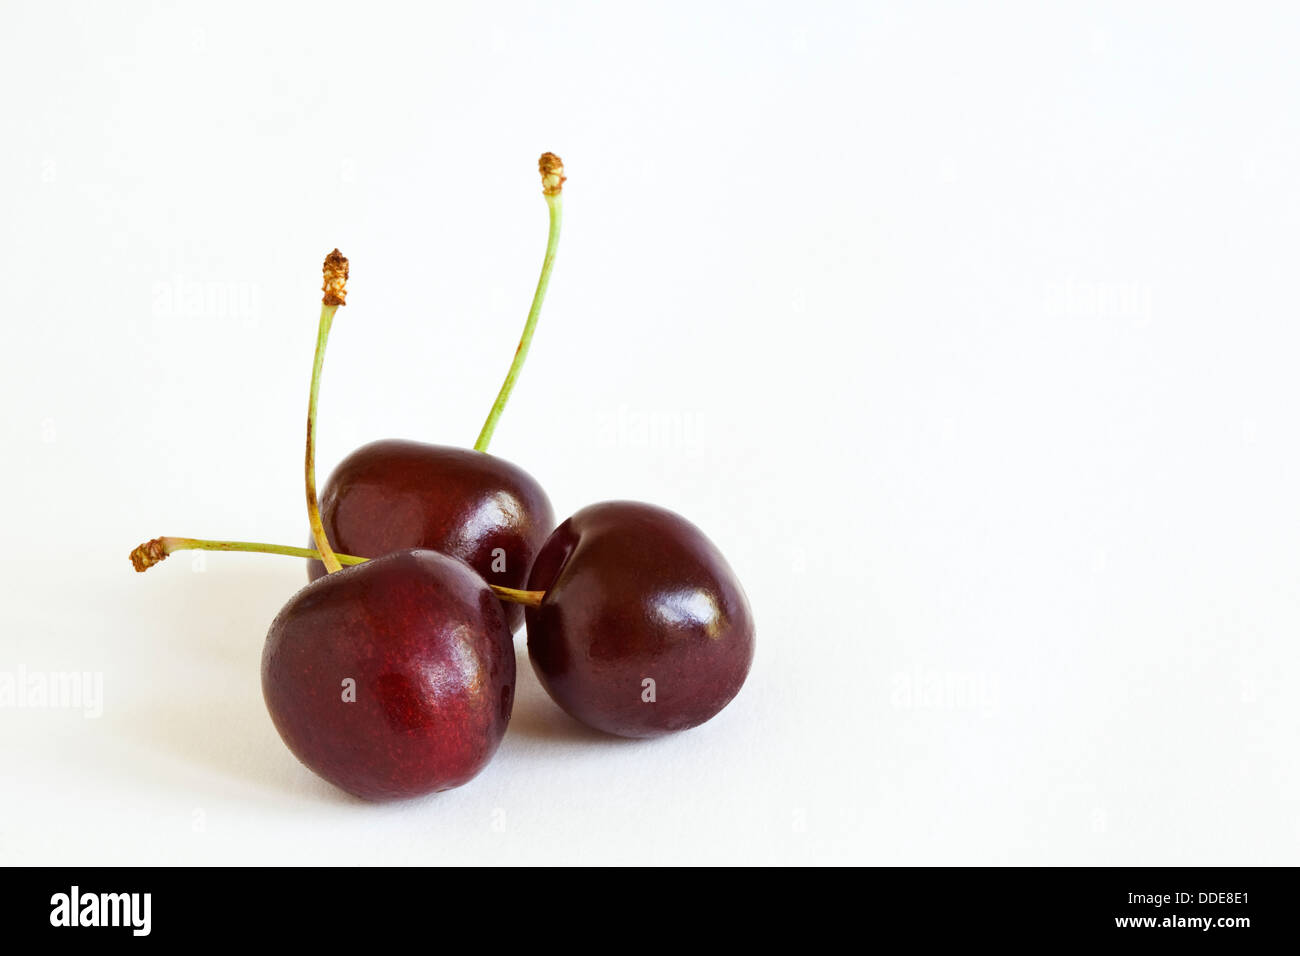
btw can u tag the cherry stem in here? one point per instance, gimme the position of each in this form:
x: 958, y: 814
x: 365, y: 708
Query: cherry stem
x: 336, y: 275
x: 552, y: 171
x: 152, y: 552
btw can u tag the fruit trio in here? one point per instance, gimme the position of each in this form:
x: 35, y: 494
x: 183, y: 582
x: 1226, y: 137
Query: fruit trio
x: 392, y: 673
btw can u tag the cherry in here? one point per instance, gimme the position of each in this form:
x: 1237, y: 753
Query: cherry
x: 394, y: 678
x: 394, y: 494
x: 643, y: 629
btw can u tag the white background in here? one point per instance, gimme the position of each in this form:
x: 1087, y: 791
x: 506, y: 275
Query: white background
x: 970, y: 336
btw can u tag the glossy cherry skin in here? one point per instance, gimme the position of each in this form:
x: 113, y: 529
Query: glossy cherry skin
x: 393, y: 494
x: 636, y: 593
x: 425, y: 641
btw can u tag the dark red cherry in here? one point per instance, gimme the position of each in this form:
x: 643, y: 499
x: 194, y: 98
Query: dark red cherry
x: 393, y: 494
x: 644, y: 628
x: 393, y: 678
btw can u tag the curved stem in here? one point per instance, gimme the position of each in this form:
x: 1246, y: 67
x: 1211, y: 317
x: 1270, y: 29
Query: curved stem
x: 554, y: 202
x: 313, y: 507
x: 152, y: 552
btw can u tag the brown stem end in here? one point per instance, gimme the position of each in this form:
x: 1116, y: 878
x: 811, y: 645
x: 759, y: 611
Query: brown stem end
x: 336, y: 279
x: 148, y: 554
x: 552, y: 169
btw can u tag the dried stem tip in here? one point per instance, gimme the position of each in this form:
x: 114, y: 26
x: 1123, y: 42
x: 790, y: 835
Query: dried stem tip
x: 336, y: 279
x: 552, y: 170
x: 148, y: 554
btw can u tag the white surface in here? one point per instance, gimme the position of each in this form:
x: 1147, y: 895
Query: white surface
x: 969, y: 336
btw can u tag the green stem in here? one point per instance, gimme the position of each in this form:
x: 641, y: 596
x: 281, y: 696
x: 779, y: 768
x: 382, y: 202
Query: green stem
x: 151, y: 552
x: 555, y: 203
x: 254, y: 547
x: 313, y: 507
